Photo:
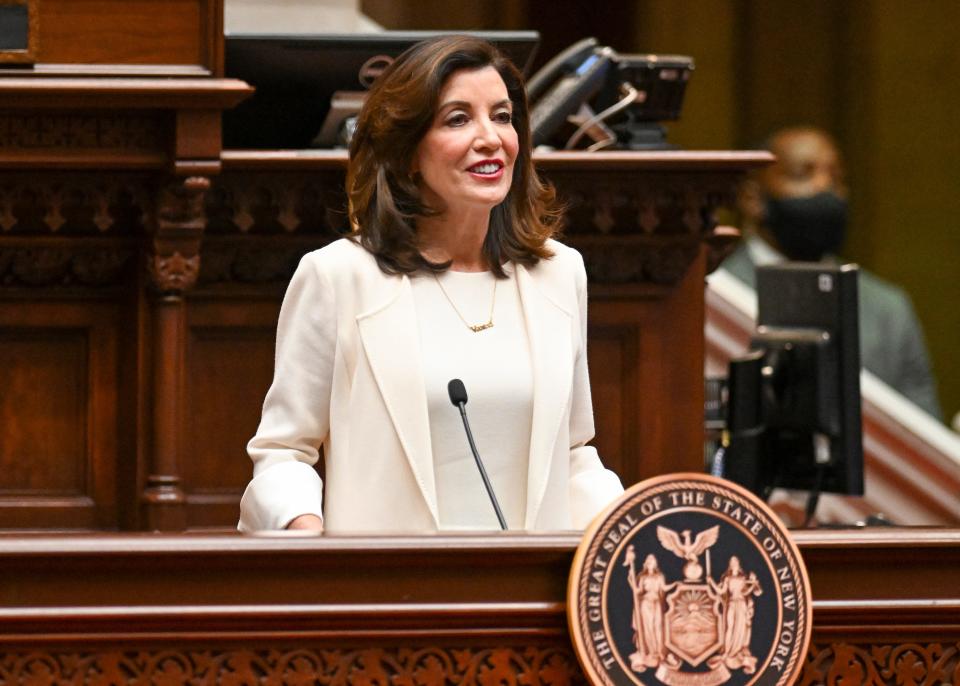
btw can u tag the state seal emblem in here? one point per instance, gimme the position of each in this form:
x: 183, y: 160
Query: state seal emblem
x: 689, y: 580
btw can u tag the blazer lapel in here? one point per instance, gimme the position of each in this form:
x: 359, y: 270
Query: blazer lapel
x: 548, y: 331
x: 391, y: 341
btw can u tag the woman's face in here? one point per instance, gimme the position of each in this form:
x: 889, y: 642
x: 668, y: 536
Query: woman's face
x: 466, y: 157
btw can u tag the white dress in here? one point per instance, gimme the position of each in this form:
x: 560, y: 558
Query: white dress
x: 494, y: 365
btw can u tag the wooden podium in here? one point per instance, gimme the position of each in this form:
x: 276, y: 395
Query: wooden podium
x: 465, y: 610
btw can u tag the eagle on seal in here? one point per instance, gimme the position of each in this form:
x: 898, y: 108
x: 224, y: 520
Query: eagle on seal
x: 687, y: 548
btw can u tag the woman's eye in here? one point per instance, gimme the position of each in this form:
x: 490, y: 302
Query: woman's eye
x: 503, y: 117
x: 456, y: 119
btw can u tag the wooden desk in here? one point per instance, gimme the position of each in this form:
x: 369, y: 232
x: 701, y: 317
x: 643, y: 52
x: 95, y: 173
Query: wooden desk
x: 443, y: 610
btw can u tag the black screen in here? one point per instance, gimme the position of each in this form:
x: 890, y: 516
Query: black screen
x: 14, y: 27
x: 794, y: 402
x: 296, y: 75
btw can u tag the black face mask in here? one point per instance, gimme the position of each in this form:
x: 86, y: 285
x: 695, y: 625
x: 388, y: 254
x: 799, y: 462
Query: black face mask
x: 808, y: 228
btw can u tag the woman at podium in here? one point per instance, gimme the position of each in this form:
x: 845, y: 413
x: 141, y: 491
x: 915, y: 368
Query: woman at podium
x: 450, y: 272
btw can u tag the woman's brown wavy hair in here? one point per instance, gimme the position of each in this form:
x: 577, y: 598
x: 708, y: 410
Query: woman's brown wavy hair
x: 384, y: 199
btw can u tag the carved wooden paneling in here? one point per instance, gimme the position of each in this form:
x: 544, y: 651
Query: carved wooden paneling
x: 260, y: 225
x: 59, y: 266
x: 278, y: 203
x: 86, y: 139
x: 421, y: 666
x: 229, y: 368
x: 77, y: 204
x: 897, y: 664
x: 25, y: 131
x: 836, y: 664
x: 462, y: 610
x: 124, y: 120
x: 58, y: 409
x: 652, y: 225
x: 104, y: 143
x: 639, y: 224
x: 647, y: 224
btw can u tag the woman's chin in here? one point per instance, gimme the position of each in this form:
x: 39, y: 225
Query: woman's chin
x: 489, y: 199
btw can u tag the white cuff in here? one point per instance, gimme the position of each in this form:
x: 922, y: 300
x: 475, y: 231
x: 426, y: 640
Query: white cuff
x: 278, y: 495
x: 590, y: 493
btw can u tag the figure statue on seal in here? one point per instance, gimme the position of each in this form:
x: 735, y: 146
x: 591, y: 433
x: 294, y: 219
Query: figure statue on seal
x: 649, y: 590
x: 736, y: 590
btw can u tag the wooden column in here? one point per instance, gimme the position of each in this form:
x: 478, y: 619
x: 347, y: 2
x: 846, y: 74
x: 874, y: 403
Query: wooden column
x: 173, y: 262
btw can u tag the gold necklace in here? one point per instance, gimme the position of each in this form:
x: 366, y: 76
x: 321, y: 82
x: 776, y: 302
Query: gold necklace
x: 476, y: 328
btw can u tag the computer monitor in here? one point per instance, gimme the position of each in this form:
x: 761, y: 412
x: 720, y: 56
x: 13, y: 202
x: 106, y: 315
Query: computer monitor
x: 296, y: 76
x: 793, y: 402
x: 661, y: 81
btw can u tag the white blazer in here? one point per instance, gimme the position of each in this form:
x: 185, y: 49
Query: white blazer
x: 348, y: 376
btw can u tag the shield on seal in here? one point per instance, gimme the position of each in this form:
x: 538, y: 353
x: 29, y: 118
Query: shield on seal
x: 692, y: 623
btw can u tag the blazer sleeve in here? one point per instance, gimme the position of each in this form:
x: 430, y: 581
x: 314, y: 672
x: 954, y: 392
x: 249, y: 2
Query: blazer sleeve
x: 295, y: 419
x: 592, y: 486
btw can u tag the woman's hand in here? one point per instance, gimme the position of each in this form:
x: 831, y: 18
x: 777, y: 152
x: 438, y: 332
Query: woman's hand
x: 307, y: 522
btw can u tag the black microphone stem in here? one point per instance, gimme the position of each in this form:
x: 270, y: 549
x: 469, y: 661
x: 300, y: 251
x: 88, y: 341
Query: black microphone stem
x: 483, y: 472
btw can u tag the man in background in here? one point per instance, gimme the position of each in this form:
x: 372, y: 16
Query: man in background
x: 796, y: 209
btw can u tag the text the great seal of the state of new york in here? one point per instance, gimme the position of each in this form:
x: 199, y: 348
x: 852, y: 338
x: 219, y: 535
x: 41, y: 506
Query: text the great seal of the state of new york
x: 689, y: 580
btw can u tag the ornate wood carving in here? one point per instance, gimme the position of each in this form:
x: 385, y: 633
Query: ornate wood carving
x: 271, y: 203
x: 37, y: 130
x: 838, y: 664
x: 652, y: 224
x: 259, y: 226
x: 63, y: 265
x: 69, y: 231
x: 634, y: 226
x: 251, y: 261
x: 901, y: 664
x: 834, y: 664
x: 426, y: 666
x: 173, y: 273
x: 72, y: 204
x: 173, y: 261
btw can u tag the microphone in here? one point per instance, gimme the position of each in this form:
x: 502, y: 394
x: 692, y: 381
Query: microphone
x: 458, y: 396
